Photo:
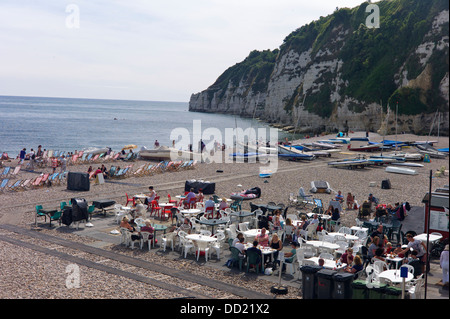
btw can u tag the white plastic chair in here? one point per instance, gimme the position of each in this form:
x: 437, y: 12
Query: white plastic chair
x: 380, y: 266
x: 345, y: 230
x: 243, y: 226
x: 218, y: 244
x: 205, y: 232
x: 410, y: 268
x: 125, y: 236
x: 202, y: 246
x: 146, y: 239
x: 342, y: 247
x: 326, y: 256
x: 166, y: 239
x: 290, y: 267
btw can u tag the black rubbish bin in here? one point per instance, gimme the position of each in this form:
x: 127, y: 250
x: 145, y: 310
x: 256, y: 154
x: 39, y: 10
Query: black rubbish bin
x: 325, y: 283
x: 359, y: 289
x: 309, y: 281
x: 392, y: 293
x: 342, y: 285
x: 66, y: 217
x: 77, y: 181
x: 377, y: 291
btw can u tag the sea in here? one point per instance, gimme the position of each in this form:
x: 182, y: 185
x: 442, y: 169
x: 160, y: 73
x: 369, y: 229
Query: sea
x: 69, y: 124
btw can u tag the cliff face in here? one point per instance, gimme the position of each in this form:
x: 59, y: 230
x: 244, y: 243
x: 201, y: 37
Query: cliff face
x: 336, y: 72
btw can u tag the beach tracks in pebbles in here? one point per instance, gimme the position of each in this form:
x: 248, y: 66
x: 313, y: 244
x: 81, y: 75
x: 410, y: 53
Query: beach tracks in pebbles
x: 186, y: 283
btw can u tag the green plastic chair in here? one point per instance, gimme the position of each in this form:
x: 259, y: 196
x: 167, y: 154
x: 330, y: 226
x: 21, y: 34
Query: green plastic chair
x: 39, y: 213
x: 91, y: 209
x: 235, y: 257
x: 62, y: 205
x: 253, y: 258
x: 56, y: 216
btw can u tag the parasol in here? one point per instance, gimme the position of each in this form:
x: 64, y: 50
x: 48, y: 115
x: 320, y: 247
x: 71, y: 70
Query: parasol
x: 129, y: 147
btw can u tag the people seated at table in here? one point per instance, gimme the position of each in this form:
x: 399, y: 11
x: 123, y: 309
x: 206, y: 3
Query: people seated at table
x: 335, y: 215
x: 321, y: 262
x: 147, y: 228
x: 190, y: 197
x: 379, y: 252
x: 373, y: 247
x: 418, y: 246
x: 388, y: 248
x: 277, y: 220
x: 398, y: 251
x: 200, y: 197
x: 349, y: 201
x: 339, y: 197
x: 186, y: 226
x: 357, y: 266
x: 378, y: 233
x: 315, y: 220
x: 209, y: 203
x: 240, y: 246
x: 277, y: 244
x: 290, y: 256
x: 347, y: 257
x: 140, y: 209
x: 237, y: 239
x: 262, y: 238
x: 255, y: 249
x: 289, y: 229
x: 125, y: 223
x: 150, y: 196
x: 223, y: 204
x: 414, y: 261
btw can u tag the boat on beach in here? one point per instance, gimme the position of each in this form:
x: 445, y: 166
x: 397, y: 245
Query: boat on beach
x: 96, y: 150
x: 361, y: 144
x: 292, y: 153
x: 400, y: 170
x: 162, y: 153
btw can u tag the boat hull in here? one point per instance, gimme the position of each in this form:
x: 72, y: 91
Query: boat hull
x: 400, y: 170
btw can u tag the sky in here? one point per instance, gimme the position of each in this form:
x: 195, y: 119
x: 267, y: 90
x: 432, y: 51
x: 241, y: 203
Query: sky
x: 154, y: 50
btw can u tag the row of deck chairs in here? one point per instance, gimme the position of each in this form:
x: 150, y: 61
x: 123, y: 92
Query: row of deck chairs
x: 40, y: 181
x: 150, y: 169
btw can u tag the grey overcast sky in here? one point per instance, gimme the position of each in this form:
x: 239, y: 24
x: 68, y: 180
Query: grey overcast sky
x: 160, y: 50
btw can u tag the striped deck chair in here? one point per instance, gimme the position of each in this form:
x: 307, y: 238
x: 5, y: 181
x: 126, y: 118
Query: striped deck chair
x: 16, y: 171
x: 14, y: 187
x: 6, y: 171
x: 36, y: 182
x: 140, y: 170
x: 3, y: 185
x: 24, y: 185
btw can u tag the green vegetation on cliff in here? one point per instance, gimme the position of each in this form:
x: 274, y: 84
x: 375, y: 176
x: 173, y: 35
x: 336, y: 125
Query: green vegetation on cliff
x: 370, y: 60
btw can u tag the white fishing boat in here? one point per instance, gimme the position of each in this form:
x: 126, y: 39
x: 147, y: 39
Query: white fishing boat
x: 400, y: 170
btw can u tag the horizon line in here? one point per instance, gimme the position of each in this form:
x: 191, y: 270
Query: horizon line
x: 86, y: 98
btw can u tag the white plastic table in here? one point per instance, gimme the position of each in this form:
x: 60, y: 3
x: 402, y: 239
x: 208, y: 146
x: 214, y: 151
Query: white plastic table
x: 423, y: 237
x: 328, y: 263
x: 393, y: 275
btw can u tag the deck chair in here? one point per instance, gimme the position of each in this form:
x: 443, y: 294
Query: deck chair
x: 6, y: 171
x: 15, y: 186
x: 303, y: 200
x: 16, y: 171
x: 318, y: 206
x: 3, y: 184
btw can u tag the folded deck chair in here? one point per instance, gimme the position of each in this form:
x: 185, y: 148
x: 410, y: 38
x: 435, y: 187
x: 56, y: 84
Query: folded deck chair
x: 303, y: 199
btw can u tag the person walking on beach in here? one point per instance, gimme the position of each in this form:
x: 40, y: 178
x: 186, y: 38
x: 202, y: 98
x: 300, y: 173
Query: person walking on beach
x: 54, y: 162
x: 32, y: 159
x: 22, y: 155
x: 63, y: 164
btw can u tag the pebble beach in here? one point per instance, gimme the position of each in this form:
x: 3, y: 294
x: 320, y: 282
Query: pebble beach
x: 28, y: 274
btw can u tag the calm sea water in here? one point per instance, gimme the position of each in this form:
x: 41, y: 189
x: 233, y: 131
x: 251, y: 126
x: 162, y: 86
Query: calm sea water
x: 74, y: 124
